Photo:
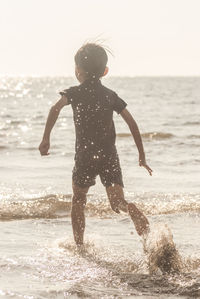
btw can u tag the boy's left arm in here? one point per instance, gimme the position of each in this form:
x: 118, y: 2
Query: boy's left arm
x: 137, y: 138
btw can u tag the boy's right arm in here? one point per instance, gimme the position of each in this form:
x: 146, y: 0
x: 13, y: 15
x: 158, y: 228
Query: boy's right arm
x: 137, y: 137
x: 51, y: 120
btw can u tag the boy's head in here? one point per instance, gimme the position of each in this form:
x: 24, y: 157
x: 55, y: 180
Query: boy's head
x: 91, y: 60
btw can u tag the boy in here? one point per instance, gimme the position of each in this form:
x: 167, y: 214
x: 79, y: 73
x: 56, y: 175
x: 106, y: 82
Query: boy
x: 93, y: 105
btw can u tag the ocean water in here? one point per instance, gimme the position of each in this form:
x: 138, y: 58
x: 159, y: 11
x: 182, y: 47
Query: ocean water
x: 38, y: 258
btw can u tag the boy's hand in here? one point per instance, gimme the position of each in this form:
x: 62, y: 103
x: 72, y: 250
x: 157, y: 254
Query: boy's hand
x: 44, y: 147
x: 142, y: 162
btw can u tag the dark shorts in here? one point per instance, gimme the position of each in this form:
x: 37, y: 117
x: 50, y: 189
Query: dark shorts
x: 107, y: 167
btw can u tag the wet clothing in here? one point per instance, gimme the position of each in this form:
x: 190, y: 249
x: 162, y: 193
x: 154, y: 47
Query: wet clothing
x: 95, y: 153
x: 106, y: 166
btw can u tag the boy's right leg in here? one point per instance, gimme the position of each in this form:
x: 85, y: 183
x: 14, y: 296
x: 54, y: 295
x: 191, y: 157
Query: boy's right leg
x: 116, y: 197
x: 77, y: 212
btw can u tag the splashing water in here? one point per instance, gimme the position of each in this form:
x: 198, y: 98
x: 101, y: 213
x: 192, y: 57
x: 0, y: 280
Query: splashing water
x: 161, y: 250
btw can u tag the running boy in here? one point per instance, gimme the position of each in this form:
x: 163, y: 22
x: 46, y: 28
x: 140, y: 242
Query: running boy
x: 93, y: 105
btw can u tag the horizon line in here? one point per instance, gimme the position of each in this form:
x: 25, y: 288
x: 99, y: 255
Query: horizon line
x: 107, y: 77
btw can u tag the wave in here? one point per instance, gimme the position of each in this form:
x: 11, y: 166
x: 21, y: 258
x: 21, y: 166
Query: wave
x: 3, y: 147
x: 50, y: 206
x: 17, y: 122
x: 27, y: 148
x: 191, y: 123
x: 149, y: 135
x: 194, y: 136
x: 55, y: 206
x: 14, y: 121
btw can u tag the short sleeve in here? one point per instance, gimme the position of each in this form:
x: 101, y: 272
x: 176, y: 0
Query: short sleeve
x: 69, y: 93
x: 119, y: 104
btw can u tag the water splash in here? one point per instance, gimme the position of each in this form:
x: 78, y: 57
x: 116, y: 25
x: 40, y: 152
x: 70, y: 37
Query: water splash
x: 161, y: 250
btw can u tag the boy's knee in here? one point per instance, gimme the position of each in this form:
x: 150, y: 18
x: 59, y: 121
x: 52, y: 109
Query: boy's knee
x: 119, y: 203
x: 79, y: 196
x: 78, y: 191
x: 79, y: 201
x: 123, y: 206
x: 116, y: 198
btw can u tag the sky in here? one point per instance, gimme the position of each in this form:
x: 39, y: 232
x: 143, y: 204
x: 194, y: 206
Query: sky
x: 146, y: 37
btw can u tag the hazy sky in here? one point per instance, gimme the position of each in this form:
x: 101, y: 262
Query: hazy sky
x: 147, y: 37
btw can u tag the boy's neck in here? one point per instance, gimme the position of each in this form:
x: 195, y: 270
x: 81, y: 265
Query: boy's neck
x: 92, y: 80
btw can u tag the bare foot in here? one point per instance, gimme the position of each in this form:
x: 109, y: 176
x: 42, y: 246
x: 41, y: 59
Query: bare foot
x: 81, y: 250
x: 140, y: 221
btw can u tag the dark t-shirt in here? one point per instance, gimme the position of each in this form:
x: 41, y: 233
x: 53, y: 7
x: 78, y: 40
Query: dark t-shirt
x: 93, y: 105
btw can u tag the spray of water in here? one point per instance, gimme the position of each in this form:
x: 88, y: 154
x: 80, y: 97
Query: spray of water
x: 161, y: 250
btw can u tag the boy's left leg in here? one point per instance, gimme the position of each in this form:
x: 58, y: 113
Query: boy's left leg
x: 116, y: 197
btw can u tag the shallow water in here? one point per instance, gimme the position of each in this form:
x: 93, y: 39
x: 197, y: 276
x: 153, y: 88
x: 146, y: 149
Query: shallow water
x: 38, y: 258
x: 45, y: 264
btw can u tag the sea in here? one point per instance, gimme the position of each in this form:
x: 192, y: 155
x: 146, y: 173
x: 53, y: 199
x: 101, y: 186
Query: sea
x: 38, y: 257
